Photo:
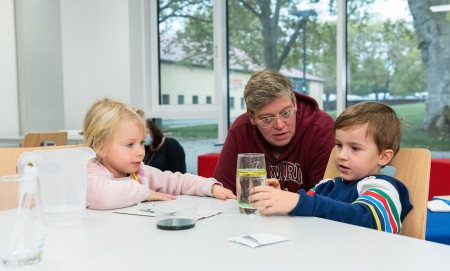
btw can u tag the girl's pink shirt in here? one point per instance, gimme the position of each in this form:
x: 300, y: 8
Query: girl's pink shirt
x: 106, y: 192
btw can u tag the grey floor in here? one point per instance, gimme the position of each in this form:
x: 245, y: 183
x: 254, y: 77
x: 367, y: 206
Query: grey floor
x: 195, y: 147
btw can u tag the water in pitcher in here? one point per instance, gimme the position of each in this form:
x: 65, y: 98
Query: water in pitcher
x: 246, y: 179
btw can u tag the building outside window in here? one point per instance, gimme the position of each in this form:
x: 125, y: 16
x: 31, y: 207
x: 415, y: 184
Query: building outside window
x: 165, y: 99
x: 180, y: 99
x: 231, y: 103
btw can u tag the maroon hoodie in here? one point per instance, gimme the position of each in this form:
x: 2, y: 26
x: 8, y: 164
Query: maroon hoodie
x: 302, y: 163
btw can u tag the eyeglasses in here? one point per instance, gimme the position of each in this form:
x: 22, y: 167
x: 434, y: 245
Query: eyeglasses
x: 268, y: 122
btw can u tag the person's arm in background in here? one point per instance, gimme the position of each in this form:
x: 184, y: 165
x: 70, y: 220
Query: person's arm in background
x: 176, y: 156
x: 225, y: 171
x: 147, y: 154
x: 319, y: 151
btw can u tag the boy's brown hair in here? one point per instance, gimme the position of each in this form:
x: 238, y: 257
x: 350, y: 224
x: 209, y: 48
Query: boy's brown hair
x: 383, y: 124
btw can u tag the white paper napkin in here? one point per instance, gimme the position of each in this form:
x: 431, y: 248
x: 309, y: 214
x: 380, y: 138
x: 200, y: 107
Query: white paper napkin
x: 438, y: 206
x: 258, y: 239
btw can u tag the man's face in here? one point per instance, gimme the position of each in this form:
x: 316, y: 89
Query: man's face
x: 281, y: 130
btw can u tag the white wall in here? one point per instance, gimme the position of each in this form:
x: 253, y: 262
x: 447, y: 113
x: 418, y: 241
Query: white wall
x: 96, y: 55
x: 9, y: 107
x: 39, y: 65
x: 92, y: 61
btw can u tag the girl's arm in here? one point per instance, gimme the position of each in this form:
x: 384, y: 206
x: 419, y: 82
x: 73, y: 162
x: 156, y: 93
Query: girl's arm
x: 104, y: 192
x: 176, y: 183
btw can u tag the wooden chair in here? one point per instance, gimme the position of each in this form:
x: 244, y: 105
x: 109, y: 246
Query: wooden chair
x: 412, y: 168
x: 37, y: 139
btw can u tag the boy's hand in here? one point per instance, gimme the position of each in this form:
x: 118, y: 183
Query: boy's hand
x: 154, y: 196
x: 273, y: 183
x: 274, y: 200
x: 219, y: 192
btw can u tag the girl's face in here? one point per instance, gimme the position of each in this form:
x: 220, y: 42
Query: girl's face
x: 357, y: 154
x: 126, y: 151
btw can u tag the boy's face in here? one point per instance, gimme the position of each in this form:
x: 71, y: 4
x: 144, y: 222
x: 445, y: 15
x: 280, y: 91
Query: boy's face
x: 126, y: 151
x: 357, y: 155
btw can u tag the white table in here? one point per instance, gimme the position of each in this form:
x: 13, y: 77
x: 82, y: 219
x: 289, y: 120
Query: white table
x: 109, y: 241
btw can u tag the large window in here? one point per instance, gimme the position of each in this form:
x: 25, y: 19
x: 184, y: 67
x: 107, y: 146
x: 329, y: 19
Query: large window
x: 187, y: 44
x: 185, y: 72
x: 396, y: 56
x: 302, y: 46
x: 393, y: 52
x: 186, y: 48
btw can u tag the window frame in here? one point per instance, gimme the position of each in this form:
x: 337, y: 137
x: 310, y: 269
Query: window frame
x: 219, y: 108
x: 146, y: 92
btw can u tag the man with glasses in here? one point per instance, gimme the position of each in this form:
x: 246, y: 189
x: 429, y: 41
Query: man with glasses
x: 295, y: 136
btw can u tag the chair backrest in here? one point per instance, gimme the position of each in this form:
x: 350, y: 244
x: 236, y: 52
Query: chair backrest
x: 412, y: 168
x: 37, y: 139
x: 9, y: 157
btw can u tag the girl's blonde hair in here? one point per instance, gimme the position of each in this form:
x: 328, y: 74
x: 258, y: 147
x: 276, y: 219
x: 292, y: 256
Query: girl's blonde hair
x: 102, y: 119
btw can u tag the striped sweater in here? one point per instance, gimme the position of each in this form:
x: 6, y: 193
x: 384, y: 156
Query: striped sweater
x: 379, y: 202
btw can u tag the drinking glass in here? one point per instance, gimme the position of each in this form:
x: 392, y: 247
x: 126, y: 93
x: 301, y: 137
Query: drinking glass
x: 21, y: 225
x: 251, y: 172
x: 175, y: 214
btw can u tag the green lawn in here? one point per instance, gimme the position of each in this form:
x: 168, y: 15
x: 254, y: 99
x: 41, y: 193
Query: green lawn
x: 207, y: 130
x: 413, y: 134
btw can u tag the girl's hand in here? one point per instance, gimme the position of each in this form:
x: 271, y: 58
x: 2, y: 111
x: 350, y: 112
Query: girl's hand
x: 274, y: 200
x: 154, y: 196
x: 219, y: 192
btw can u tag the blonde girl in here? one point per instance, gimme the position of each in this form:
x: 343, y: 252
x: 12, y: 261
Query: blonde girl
x: 117, y: 177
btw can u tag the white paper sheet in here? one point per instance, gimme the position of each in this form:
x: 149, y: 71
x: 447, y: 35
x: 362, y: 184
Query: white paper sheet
x: 146, y: 209
x: 438, y: 206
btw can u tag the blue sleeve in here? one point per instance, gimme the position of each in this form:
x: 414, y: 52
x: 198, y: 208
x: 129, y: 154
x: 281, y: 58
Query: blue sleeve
x: 325, y: 207
x: 380, y: 202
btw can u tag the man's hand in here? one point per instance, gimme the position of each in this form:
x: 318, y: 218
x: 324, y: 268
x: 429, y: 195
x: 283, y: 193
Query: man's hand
x: 273, y: 183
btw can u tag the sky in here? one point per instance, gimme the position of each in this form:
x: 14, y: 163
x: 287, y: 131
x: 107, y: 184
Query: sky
x: 387, y: 9
x: 393, y: 9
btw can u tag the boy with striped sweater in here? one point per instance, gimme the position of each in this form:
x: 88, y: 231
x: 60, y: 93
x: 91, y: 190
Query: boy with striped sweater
x: 367, y: 136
